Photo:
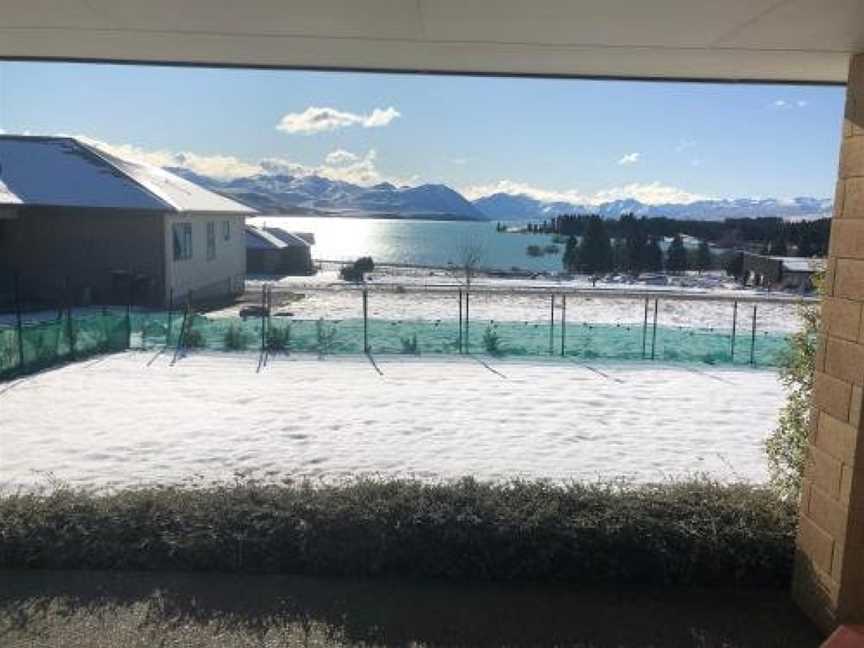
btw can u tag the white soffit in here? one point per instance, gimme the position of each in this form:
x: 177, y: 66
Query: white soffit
x: 757, y: 40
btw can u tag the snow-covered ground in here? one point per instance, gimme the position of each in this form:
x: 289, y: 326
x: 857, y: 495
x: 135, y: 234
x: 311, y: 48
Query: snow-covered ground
x: 131, y: 419
x: 323, y: 295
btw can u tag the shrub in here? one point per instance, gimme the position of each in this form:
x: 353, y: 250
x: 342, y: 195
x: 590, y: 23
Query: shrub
x: 492, y: 341
x: 410, y: 346
x: 534, y: 251
x: 787, y: 446
x: 357, y: 270
x: 236, y: 339
x: 551, y: 248
x: 279, y: 338
x: 325, y: 337
x: 687, y: 533
x: 194, y: 339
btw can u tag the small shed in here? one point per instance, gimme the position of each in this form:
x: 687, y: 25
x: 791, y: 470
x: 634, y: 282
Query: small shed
x: 273, y: 251
x: 788, y: 273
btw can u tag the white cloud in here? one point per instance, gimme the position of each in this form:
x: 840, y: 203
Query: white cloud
x: 321, y: 119
x: 223, y: 167
x: 653, y: 193
x: 786, y: 105
x: 629, y: 159
x: 340, y: 156
x: 685, y: 144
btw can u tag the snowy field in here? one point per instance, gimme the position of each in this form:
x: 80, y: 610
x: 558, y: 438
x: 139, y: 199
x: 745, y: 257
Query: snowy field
x: 131, y: 419
x: 324, y: 295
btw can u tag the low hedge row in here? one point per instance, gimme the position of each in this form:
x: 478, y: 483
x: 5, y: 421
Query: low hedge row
x: 688, y: 533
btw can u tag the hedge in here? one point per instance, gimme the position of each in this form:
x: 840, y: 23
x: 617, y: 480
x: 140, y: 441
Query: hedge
x: 686, y: 533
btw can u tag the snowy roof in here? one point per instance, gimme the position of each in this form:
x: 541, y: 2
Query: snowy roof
x: 801, y: 264
x: 65, y: 172
x: 272, y: 238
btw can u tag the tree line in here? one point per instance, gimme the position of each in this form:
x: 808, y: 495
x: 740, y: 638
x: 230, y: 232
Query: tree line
x: 767, y: 235
x: 634, y: 250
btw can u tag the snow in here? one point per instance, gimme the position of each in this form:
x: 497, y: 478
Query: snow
x: 132, y: 419
x: 324, y: 295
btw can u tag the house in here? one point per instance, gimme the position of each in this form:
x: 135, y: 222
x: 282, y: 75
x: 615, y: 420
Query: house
x: 273, y: 251
x: 82, y: 226
x: 787, y: 273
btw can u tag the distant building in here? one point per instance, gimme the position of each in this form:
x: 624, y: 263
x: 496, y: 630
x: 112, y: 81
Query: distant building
x: 273, y: 251
x: 83, y: 226
x: 788, y: 273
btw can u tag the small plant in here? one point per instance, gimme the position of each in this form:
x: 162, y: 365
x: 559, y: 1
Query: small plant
x: 410, y: 345
x: 325, y: 336
x: 279, y: 339
x: 534, y: 251
x: 492, y: 341
x: 356, y: 272
x: 236, y: 339
x: 194, y: 339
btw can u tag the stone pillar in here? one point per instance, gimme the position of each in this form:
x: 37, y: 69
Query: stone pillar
x: 829, y: 569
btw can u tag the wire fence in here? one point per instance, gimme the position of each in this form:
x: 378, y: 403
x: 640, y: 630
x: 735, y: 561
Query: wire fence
x: 27, y: 345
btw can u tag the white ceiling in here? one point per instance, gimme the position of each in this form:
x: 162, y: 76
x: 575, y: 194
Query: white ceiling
x: 769, y: 40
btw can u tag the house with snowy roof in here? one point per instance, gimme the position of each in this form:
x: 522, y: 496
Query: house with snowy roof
x: 79, y: 225
x: 274, y: 251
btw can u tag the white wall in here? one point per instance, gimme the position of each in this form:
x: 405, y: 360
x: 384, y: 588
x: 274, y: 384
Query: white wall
x: 224, y: 274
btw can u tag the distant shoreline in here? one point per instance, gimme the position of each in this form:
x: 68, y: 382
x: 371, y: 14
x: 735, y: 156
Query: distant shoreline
x: 435, y: 218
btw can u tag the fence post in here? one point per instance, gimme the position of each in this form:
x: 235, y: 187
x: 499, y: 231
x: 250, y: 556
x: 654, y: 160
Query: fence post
x: 365, y: 320
x: 734, y: 327
x: 645, y: 330
x: 552, y: 324
x: 263, y: 314
x: 467, y: 322
x: 753, y: 339
x: 563, y: 322
x: 654, y: 330
x: 170, y: 320
x: 19, y: 325
x: 460, y: 320
x: 129, y: 311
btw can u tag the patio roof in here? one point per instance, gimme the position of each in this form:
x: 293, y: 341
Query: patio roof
x: 756, y: 40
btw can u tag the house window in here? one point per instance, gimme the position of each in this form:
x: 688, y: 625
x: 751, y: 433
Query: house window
x: 182, y: 236
x: 226, y: 230
x: 211, y: 241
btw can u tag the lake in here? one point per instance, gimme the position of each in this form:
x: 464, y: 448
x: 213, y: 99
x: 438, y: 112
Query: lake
x: 417, y: 242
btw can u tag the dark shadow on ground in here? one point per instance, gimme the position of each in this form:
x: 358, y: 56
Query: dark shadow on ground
x: 400, y: 613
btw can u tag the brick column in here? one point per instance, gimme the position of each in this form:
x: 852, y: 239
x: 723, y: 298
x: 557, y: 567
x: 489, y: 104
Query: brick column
x: 829, y: 569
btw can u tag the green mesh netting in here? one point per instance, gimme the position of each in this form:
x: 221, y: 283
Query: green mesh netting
x: 45, y: 344
x: 48, y: 343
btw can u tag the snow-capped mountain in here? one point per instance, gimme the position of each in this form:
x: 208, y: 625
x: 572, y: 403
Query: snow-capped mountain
x: 503, y: 206
x: 316, y: 195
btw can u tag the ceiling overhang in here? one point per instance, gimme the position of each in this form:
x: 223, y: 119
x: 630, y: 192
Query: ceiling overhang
x: 792, y: 41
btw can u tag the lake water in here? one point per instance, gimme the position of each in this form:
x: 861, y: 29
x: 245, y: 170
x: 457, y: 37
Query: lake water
x: 417, y: 242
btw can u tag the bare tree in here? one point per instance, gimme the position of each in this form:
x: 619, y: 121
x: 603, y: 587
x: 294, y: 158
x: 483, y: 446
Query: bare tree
x: 471, y: 253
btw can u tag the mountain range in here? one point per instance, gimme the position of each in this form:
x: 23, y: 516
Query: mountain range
x: 319, y: 196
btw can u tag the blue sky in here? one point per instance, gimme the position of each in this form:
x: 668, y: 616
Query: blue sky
x: 567, y: 139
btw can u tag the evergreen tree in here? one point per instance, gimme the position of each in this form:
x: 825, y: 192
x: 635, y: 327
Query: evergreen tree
x: 778, y: 247
x: 676, y: 257
x: 805, y: 245
x: 595, y: 250
x: 620, y: 255
x: 570, y: 260
x: 652, y: 260
x: 634, y: 234
x: 703, y: 256
x: 733, y: 264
